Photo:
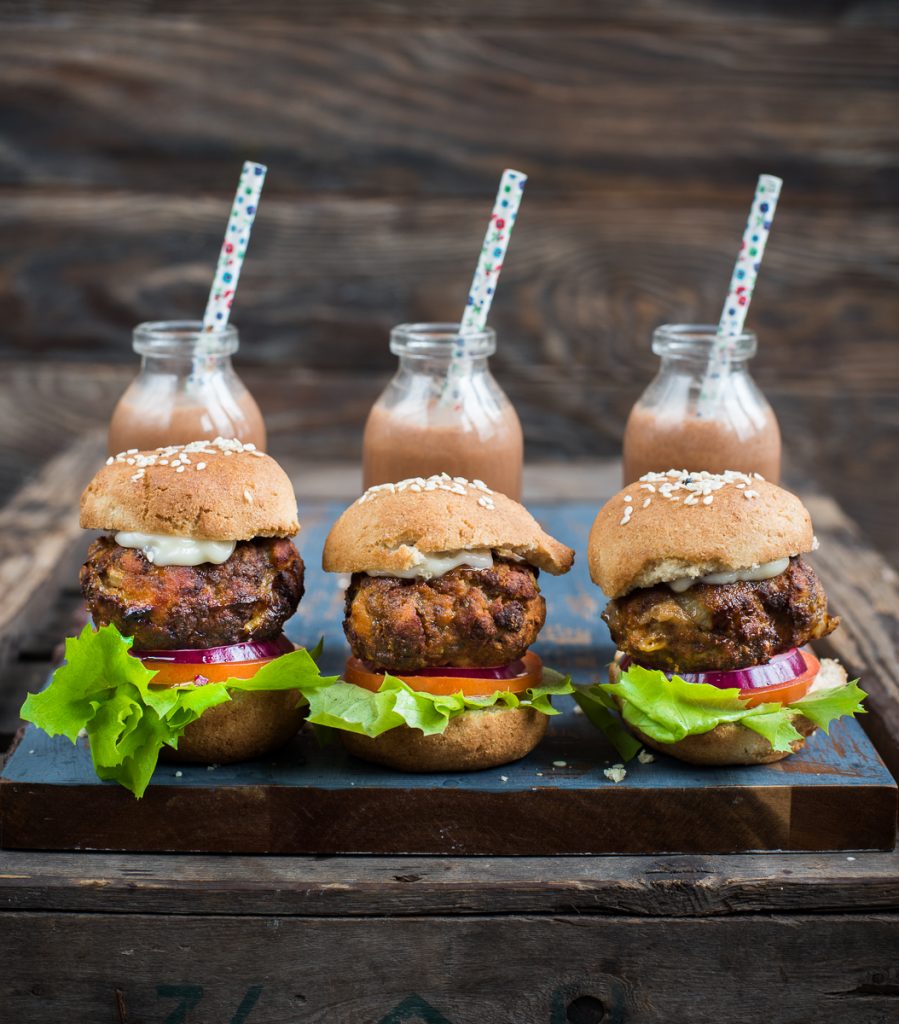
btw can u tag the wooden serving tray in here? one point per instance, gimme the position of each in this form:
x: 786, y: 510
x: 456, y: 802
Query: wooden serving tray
x: 836, y: 794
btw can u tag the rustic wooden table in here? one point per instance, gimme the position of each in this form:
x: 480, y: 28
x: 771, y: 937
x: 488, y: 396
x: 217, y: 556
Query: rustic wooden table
x: 131, y: 937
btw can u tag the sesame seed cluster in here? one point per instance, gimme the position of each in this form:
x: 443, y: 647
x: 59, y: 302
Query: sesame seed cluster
x: 181, y: 457
x: 691, y: 488
x: 441, y: 482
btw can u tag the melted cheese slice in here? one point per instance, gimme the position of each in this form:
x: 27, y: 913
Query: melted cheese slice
x: 439, y: 564
x: 765, y: 571
x: 161, y: 549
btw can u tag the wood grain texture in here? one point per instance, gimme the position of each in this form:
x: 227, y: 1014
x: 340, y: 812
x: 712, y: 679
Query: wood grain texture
x: 347, y: 886
x: 582, y: 291
x: 446, y: 970
x: 40, y: 541
x: 517, y: 12
x: 113, y: 100
x: 834, y: 795
x: 866, y: 642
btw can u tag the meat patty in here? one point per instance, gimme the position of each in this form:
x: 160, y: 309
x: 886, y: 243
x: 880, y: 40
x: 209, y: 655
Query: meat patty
x: 467, y: 617
x: 721, y: 626
x: 164, y: 607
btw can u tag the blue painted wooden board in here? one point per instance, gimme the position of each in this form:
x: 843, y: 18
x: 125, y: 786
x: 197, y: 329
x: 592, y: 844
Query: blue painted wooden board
x: 834, y: 795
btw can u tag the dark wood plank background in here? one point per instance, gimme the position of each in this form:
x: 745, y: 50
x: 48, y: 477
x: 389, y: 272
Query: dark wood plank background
x: 385, y: 125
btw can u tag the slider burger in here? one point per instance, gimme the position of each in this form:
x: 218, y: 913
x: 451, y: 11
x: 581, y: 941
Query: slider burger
x: 711, y: 608
x: 442, y: 606
x: 188, y: 588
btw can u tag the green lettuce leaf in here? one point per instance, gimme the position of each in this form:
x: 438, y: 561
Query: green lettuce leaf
x: 775, y: 726
x: 822, y: 708
x: 101, y: 688
x: 667, y: 710
x: 352, y: 708
x: 600, y: 710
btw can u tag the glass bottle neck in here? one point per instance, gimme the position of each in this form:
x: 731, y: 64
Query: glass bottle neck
x: 689, y: 348
x: 434, y: 349
x: 695, y: 366
x: 183, y: 347
x: 694, y: 344
x: 438, y: 365
x: 184, y: 364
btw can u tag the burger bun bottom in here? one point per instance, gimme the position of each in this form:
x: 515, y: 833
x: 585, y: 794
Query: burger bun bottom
x: 728, y: 743
x: 473, y: 740
x: 253, y: 723
x: 731, y: 743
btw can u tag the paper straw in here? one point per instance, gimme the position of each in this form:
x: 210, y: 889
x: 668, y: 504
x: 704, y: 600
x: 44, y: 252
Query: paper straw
x: 742, y: 285
x: 493, y: 251
x: 234, y: 246
x: 486, y: 275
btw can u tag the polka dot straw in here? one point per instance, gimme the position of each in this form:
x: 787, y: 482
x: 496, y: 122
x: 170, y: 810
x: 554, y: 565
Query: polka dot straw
x: 486, y: 275
x: 234, y: 246
x: 742, y: 285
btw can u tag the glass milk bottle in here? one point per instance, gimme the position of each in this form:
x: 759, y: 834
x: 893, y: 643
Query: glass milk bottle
x: 667, y: 430
x: 438, y: 415
x: 186, y: 390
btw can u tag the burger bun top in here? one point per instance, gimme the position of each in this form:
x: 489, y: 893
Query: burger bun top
x: 206, y: 490
x: 392, y: 526
x: 676, y: 524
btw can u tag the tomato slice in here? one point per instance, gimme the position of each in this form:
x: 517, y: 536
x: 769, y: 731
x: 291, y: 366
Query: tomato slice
x: 211, y: 664
x: 170, y: 673
x: 785, y: 693
x: 357, y: 673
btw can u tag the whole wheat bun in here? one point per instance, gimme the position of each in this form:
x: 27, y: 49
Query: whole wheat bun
x: 474, y: 740
x: 392, y: 526
x: 728, y: 744
x: 714, y: 523
x: 732, y: 743
x: 253, y: 723
x: 208, y: 490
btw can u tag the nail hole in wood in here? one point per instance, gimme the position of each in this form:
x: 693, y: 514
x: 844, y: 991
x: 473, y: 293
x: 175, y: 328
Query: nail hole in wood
x: 585, y: 1010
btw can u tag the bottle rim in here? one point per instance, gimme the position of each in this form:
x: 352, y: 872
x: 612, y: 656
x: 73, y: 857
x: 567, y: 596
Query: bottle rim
x: 696, y: 341
x: 184, y: 338
x: 437, y: 340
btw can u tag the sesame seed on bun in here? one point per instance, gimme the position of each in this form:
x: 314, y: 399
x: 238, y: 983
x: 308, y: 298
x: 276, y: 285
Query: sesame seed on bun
x: 392, y: 526
x: 206, y: 490
x: 676, y: 524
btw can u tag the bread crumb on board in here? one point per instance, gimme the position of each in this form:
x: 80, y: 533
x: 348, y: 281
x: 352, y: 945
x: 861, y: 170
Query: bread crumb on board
x: 616, y: 773
x: 644, y: 757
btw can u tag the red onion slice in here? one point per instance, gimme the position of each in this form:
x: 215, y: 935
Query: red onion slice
x: 511, y: 671
x: 254, y: 650
x: 782, y: 668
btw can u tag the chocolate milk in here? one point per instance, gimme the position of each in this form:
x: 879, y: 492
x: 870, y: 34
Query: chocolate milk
x: 439, y: 440
x: 152, y: 416
x: 656, y: 442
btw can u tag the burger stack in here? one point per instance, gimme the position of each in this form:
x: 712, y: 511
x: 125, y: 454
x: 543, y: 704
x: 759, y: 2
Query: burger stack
x: 712, y: 606
x: 188, y: 588
x: 441, y: 610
